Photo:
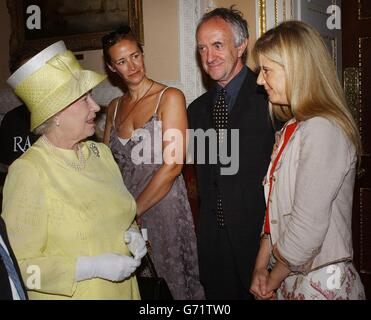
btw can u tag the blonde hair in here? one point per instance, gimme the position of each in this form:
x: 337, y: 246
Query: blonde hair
x: 312, y: 86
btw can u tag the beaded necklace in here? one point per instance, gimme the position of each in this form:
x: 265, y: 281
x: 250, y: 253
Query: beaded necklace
x: 57, y: 155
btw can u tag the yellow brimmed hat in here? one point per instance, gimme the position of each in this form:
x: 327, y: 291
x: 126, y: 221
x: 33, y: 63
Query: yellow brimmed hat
x: 51, y: 81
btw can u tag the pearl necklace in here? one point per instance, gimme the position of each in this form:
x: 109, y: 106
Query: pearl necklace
x: 57, y: 155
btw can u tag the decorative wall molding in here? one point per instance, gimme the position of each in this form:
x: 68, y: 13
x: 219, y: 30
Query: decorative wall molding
x: 261, y: 17
x: 190, y: 82
x: 209, y: 5
x: 272, y: 12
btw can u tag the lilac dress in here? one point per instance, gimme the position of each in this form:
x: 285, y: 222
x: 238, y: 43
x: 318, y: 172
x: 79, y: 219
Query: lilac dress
x: 169, y: 223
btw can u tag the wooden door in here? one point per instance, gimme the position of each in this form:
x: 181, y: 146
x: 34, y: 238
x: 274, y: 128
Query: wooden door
x: 356, y: 16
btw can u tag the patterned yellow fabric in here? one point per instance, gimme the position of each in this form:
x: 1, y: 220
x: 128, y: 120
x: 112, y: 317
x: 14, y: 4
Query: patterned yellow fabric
x: 55, y: 214
x: 55, y: 86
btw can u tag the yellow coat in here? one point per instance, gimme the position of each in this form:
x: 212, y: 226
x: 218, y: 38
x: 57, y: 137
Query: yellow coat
x: 54, y: 214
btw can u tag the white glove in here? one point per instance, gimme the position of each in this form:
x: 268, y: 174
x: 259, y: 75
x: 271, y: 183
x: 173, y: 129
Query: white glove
x: 136, y: 243
x: 108, y: 266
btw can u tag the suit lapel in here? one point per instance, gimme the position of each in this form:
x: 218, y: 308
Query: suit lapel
x: 5, y: 290
x: 242, y: 101
x: 205, y: 115
x: 12, y: 256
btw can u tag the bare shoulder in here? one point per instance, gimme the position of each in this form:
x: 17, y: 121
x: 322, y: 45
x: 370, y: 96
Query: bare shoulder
x: 172, y: 104
x: 172, y: 96
x: 172, y: 92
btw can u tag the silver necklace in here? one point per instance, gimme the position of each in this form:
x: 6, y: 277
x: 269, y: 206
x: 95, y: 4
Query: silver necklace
x: 76, y: 165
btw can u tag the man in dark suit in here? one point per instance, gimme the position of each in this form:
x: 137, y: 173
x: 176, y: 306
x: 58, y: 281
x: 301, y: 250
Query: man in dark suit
x: 232, y: 203
x: 11, y: 285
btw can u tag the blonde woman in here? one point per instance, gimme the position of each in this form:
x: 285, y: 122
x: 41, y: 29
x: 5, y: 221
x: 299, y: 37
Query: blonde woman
x: 306, y: 247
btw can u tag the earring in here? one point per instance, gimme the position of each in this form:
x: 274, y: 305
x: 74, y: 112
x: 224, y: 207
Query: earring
x: 57, y: 123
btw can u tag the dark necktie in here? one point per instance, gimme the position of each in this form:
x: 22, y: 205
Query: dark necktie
x: 220, y: 118
x: 12, y: 272
x: 220, y: 114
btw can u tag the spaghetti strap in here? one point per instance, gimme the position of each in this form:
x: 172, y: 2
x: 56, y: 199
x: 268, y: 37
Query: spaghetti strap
x: 115, y: 113
x: 159, y: 99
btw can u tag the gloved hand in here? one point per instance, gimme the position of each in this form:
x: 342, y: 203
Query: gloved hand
x: 136, y: 244
x: 108, y: 266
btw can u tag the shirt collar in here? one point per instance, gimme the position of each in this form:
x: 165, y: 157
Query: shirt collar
x: 233, y: 87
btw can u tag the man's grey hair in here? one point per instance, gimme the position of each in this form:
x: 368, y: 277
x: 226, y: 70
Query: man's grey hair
x: 235, y: 18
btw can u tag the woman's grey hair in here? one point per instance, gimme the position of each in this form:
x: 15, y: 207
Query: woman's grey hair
x: 235, y: 18
x: 44, y: 127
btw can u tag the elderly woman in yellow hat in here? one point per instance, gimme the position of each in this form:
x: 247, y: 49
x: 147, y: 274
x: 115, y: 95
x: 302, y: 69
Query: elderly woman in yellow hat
x: 68, y: 214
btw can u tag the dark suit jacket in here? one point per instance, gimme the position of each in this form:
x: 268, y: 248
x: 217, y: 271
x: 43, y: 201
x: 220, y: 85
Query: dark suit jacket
x: 5, y: 290
x: 242, y: 194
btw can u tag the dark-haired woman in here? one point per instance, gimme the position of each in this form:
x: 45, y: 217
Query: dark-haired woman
x: 146, y: 130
